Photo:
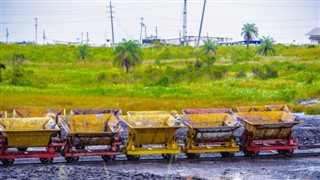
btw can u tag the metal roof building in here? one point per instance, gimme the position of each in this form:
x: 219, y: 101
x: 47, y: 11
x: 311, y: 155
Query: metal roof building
x: 314, y: 36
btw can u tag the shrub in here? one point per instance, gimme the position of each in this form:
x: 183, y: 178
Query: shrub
x: 241, y: 55
x: 241, y: 74
x: 265, y: 72
x: 101, y: 77
x: 164, y: 81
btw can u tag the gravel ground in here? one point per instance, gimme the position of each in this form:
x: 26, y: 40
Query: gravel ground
x: 268, y: 165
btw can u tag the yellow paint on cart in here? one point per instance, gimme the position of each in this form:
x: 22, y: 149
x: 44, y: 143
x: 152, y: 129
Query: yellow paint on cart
x: 156, y: 130
x: 28, y: 132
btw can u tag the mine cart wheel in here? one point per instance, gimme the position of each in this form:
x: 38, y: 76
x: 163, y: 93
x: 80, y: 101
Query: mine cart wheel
x: 227, y: 154
x: 80, y: 147
x: 133, y: 157
x: 108, y: 158
x: 192, y: 156
x: 57, y: 148
x: 169, y: 156
x: 46, y: 160
x: 22, y: 149
x: 250, y: 153
x: 285, y: 152
x: 72, y: 159
x: 7, y: 161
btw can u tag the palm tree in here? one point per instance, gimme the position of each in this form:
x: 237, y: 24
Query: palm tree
x: 266, y: 46
x: 209, y: 50
x: 249, y: 31
x: 209, y: 47
x: 83, y: 52
x: 127, y: 54
x: 2, y: 66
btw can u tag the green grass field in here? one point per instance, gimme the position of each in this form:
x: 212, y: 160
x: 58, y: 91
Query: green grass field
x: 54, y: 77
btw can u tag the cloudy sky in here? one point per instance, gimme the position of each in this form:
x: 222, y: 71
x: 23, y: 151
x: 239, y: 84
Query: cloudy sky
x: 65, y: 20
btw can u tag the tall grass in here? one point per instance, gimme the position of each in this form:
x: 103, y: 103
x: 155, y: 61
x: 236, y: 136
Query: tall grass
x: 59, y: 79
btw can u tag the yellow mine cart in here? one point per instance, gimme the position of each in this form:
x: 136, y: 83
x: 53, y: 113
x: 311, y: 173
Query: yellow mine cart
x: 151, y: 134
x: 267, y: 131
x: 264, y: 108
x: 85, y: 130
x: 27, y: 132
x: 210, y: 132
x: 3, y: 114
x: 58, y: 141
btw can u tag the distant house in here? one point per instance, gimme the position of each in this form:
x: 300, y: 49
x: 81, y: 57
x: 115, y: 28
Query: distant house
x: 314, y: 36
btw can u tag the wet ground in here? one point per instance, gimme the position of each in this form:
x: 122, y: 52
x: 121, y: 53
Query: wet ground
x: 304, y: 164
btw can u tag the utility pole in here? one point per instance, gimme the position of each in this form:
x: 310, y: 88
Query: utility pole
x: 141, y: 26
x: 199, y: 35
x: 36, y: 30
x: 87, y: 38
x: 145, y: 31
x: 44, y: 37
x: 111, y: 17
x: 157, y: 31
x: 184, y: 27
x: 7, y: 35
x: 105, y: 38
x: 81, y: 38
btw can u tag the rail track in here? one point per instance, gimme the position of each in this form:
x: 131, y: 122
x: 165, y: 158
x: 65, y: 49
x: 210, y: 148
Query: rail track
x: 121, y: 159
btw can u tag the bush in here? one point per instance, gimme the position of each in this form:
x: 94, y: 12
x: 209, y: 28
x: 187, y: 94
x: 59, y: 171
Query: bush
x: 242, y: 55
x: 265, y: 72
x: 20, y: 77
x: 101, y: 77
x: 241, y: 74
x: 164, y: 81
x: 217, y: 73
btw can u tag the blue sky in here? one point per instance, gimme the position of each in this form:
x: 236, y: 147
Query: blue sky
x: 285, y: 21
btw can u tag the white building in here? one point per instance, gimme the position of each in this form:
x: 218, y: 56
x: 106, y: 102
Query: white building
x: 314, y: 36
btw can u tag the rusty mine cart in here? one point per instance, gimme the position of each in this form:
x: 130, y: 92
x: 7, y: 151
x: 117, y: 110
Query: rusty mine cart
x: 24, y: 133
x: 87, y: 130
x: 151, y: 132
x: 210, y: 131
x: 267, y: 130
